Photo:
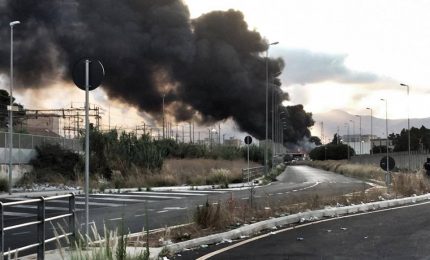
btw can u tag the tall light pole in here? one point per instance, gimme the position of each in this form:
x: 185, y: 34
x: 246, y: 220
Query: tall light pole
x: 12, y: 24
x: 267, y: 108
x: 347, y: 125
x: 353, y: 131
x: 360, y: 134
x: 409, y: 130
x: 386, y: 128
x: 164, y: 95
x: 371, y: 129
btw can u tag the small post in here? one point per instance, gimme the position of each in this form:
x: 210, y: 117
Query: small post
x: 41, y: 229
x: 72, y: 226
x: 1, y: 230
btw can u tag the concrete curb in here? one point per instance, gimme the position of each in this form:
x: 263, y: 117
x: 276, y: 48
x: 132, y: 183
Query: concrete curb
x: 252, y: 229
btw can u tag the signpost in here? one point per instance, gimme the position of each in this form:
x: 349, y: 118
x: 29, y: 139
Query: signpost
x: 387, y: 164
x: 88, y: 74
x: 248, y: 141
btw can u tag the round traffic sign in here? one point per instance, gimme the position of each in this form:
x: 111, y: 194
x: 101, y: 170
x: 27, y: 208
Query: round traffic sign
x: 248, y: 139
x: 391, y: 163
x: 96, y: 73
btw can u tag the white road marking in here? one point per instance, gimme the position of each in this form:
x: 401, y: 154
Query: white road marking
x: 139, y: 215
x: 20, y: 233
x: 162, y: 211
x: 174, y: 208
x: 167, y: 193
x: 113, y: 219
x: 112, y: 199
x: 141, y: 196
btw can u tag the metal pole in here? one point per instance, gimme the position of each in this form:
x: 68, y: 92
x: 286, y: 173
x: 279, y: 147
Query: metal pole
x: 266, y: 156
x: 371, y: 130
x: 353, y: 132
x: 41, y: 229
x: 87, y: 146
x: 1, y: 229
x: 163, y: 117
x: 347, y: 125
x: 267, y: 112
x: 10, y: 109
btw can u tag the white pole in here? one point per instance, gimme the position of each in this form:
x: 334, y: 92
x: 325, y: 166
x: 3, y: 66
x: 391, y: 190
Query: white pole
x: 11, y: 106
x: 87, y: 146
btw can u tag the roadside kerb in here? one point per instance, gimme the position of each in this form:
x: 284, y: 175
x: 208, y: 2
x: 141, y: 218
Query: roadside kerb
x: 254, y: 228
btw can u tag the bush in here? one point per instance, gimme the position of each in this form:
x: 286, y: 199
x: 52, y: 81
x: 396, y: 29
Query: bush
x: 331, y: 152
x: 52, y: 162
x: 4, y: 184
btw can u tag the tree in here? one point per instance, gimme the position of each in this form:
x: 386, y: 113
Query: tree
x: 331, y: 152
x: 336, y: 139
x: 18, y: 116
x: 315, y: 139
x: 420, y: 139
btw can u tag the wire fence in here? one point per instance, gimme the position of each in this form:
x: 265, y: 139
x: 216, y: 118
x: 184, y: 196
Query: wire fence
x: 24, y: 146
x: 402, y: 159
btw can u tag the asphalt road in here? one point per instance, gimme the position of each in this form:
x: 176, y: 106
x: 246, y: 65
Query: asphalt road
x: 177, y: 207
x: 398, y: 233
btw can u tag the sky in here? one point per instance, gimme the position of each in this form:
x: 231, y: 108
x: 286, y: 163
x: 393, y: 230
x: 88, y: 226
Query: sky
x: 339, y: 54
x: 343, y: 54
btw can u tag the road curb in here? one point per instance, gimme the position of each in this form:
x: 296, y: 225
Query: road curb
x: 254, y: 228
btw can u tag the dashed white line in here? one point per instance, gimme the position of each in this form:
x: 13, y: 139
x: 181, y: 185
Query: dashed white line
x: 162, y: 211
x: 20, y: 233
x: 113, y: 219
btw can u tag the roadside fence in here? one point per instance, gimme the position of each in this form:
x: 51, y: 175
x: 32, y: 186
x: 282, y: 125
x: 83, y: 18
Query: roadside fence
x: 40, y: 223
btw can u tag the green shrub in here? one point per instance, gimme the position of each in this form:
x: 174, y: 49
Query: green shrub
x: 53, y: 162
x: 4, y: 184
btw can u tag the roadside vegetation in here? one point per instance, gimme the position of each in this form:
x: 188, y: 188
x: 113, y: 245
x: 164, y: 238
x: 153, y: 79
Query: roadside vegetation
x: 119, y: 159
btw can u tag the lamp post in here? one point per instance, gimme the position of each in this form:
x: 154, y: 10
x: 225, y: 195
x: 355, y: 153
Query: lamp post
x: 12, y: 24
x: 164, y: 95
x: 267, y: 107
x: 409, y: 130
x: 353, y: 131
x: 371, y: 129
x: 360, y: 134
x: 347, y: 125
x: 386, y: 128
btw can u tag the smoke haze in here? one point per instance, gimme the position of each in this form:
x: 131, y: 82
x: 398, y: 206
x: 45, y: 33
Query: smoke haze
x: 209, y: 69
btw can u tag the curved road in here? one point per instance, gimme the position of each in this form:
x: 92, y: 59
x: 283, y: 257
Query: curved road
x: 396, y: 233
x: 295, y: 183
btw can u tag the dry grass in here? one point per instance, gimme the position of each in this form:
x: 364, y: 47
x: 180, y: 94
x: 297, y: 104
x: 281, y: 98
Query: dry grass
x: 359, y: 171
x: 175, y: 172
x: 409, y: 184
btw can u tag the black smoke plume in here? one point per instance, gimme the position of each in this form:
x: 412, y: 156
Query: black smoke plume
x: 209, y: 69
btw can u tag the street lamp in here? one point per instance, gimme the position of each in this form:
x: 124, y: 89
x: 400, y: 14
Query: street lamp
x: 409, y: 130
x: 386, y: 127
x: 164, y: 95
x: 347, y: 125
x: 267, y: 107
x: 353, y: 132
x: 371, y: 129
x: 360, y: 133
x: 12, y: 24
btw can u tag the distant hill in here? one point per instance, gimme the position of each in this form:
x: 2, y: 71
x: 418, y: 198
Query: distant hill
x: 337, y: 118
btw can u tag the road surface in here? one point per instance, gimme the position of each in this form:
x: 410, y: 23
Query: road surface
x: 397, y: 233
x: 177, y: 207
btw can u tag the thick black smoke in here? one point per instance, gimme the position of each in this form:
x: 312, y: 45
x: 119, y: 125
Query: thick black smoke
x: 211, y: 68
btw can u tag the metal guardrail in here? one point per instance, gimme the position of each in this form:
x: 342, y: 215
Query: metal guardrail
x: 254, y: 172
x: 40, y: 222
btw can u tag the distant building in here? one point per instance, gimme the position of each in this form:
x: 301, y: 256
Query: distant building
x: 361, y: 144
x: 46, y: 126
x: 233, y: 142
